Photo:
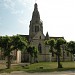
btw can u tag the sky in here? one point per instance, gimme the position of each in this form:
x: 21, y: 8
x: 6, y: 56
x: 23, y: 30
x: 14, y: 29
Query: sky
x: 58, y: 17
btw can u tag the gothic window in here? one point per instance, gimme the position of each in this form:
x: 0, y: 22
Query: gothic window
x: 39, y: 48
x: 36, y: 28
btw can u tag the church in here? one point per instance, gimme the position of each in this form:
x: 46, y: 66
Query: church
x: 36, y: 38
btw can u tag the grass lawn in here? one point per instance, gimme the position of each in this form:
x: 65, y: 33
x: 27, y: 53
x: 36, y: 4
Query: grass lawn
x: 42, y: 67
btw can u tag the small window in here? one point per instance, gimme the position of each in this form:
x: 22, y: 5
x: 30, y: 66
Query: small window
x: 39, y: 48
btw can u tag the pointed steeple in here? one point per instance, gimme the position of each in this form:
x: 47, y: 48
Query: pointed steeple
x: 36, y: 15
x: 47, y: 36
x: 36, y: 24
x: 35, y: 6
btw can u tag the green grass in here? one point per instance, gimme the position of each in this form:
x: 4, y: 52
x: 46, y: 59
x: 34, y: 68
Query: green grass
x: 51, y: 66
x: 45, y: 67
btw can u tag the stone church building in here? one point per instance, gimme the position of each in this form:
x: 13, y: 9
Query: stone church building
x: 36, y: 38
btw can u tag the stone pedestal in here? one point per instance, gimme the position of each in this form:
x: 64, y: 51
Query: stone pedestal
x: 18, y: 56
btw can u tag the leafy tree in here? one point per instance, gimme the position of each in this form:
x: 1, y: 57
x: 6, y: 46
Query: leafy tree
x: 71, y: 47
x: 51, y: 42
x: 9, y: 44
x: 59, y: 43
x: 30, y: 51
x: 33, y: 53
x: 19, y: 42
x: 6, y: 47
x: 55, y: 47
x: 46, y: 42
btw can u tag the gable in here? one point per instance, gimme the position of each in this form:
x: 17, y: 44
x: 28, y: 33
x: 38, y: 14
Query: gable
x: 39, y: 35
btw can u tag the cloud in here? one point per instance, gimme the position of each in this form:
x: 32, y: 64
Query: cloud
x: 18, y: 6
x: 21, y: 21
x: 17, y: 11
x: 26, y: 2
x: 9, y: 4
x: 12, y: 6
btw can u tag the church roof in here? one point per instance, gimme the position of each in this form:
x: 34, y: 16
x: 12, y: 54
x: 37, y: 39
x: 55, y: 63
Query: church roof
x: 56, y: 38
x: 26, y: 36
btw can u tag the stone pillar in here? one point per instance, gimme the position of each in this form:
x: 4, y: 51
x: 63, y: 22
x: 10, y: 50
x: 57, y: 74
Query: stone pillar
x: 18, y: 56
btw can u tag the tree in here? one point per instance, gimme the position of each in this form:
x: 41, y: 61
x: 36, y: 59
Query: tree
x: 71, y: 47
x: 6, y: 47
x: 9, y: 44
x: 55, y: 48
x: 33, y: 53
x: 51, y: 42
x: 59, y: 43
x: 19, y: 42
x: 30, y: 51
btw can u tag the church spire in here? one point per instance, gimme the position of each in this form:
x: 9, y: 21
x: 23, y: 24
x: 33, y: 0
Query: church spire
x: 36, y: 15
x: 36, y: 24
x: 35, y: 7
x: 47, y: 36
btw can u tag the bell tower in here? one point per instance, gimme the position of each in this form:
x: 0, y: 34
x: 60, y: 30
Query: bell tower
x: 36, y: 24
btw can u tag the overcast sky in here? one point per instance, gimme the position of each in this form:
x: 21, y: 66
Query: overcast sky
x: 58, y: 17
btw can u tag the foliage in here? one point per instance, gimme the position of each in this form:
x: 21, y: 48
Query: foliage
x: 30, y: 50
x: 46, y: 42
x: 71, y: 47
x: 33, y: 53
x: 9, y: 44
x: 57, y: 45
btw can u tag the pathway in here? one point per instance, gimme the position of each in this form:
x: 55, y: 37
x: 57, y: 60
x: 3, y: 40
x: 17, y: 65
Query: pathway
x: 43, y: 73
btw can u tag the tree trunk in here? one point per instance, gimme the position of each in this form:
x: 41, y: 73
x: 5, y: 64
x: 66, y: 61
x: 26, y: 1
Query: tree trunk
x: 58, y: 61
x: 59, y: 64
x: 71, y: 58
x: 8, y: 62
x: 63, y: 56
x: 31, y: 59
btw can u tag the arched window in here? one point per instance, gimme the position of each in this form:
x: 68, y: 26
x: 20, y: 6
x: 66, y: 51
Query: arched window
x: 39, y: 48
